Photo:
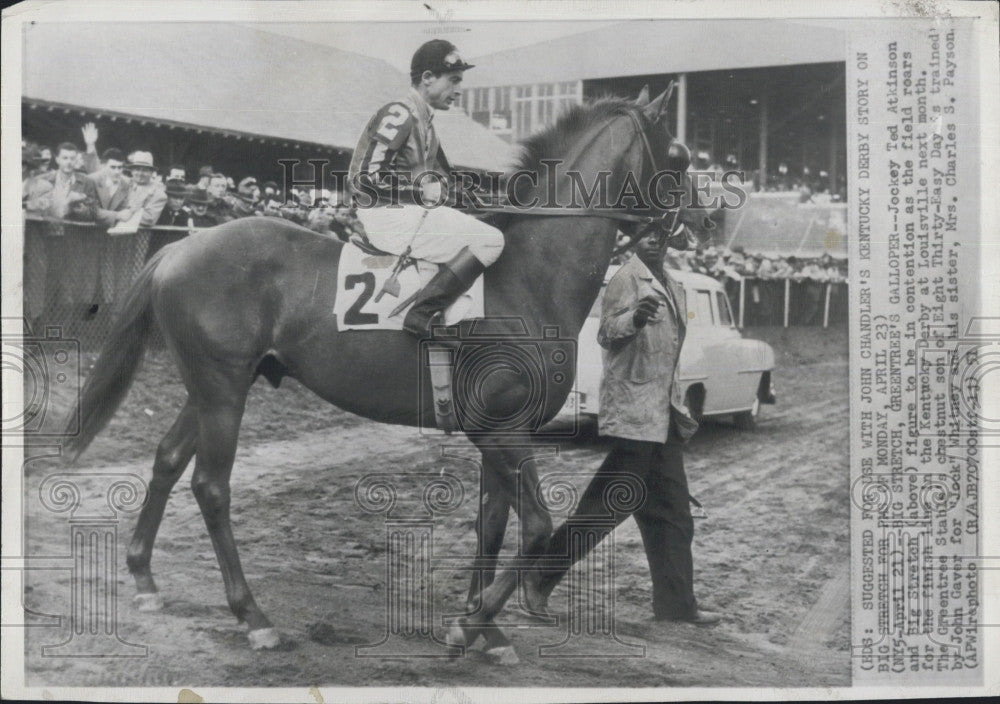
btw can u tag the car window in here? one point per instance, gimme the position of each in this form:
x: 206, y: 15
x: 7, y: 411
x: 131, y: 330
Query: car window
x: 700, y: 308
x: 725, y: 315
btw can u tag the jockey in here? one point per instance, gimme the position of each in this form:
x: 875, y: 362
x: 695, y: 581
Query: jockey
x: 400, y: 159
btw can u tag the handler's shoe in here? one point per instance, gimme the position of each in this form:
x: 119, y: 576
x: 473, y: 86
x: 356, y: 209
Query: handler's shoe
x: 701, y: 617
x: 451, y: 281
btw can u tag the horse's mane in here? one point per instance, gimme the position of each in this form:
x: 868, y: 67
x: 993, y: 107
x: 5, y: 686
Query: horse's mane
x: 556, y: 139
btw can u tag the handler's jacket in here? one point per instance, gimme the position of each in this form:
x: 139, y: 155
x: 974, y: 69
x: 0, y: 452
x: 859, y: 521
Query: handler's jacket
x: 639, y: 387
x: 400, y: 139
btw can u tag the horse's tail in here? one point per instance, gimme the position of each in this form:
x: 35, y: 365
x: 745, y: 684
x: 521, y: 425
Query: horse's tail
x: 110, y: 379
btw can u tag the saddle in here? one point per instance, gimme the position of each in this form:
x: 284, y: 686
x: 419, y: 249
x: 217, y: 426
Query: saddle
x: 391, y: 285
x: 363, y: 280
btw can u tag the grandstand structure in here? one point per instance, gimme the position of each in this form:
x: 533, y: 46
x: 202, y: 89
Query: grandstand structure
x: 765, y: 94
x: 217, y: 93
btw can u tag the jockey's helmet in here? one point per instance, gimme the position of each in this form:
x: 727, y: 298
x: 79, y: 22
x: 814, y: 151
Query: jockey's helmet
x: 437, y: 56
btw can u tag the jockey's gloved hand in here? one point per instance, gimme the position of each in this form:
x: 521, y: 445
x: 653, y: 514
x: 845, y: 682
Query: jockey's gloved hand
x: 645, y: 310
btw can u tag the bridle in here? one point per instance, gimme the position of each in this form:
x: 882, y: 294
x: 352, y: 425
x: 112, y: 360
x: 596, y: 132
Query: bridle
x: 665, y: 224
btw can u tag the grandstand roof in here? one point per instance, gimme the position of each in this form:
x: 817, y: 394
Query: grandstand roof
x: 652, y: 47
x: 231, y: 78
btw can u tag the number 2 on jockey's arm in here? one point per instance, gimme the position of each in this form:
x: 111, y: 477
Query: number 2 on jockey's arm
x: 389, y: 131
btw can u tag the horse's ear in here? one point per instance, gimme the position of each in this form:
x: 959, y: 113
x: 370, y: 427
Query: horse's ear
x: 656, y: 109
x: 643, y: 99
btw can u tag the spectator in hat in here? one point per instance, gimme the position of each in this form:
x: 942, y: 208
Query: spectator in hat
x: 129, y: 240
x: 198, y: 202
x: 174, y: 213
x: 145, y: 195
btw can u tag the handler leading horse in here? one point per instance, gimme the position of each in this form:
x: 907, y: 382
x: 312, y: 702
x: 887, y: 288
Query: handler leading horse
x: 254, y: 297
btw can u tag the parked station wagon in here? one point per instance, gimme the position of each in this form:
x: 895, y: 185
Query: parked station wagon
x: 720, y: 372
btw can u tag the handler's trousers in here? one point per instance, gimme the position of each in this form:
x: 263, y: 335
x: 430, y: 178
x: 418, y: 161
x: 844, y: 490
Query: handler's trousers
x: 664, y: 520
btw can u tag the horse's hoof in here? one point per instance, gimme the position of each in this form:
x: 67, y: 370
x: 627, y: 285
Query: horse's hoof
x: 456, y: 637
x: 502, y: 655
x: 264, y: 639
x: 148, y: 602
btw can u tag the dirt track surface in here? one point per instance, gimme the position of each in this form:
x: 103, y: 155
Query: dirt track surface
x: 772, y: 556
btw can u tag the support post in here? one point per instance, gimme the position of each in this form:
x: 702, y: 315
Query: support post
x: 788, y: 290
x: 762, y: 152
x: 682, y: 107
x: 826, y: 306
x: 743, y: 299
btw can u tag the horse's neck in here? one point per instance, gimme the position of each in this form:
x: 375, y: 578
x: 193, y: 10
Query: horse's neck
x: 552, y: 268
x: 545, y: 280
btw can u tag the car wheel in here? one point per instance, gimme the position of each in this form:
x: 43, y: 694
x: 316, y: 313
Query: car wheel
x: 747, y: 420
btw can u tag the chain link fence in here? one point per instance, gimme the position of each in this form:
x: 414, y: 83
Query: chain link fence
x: 76, y: 275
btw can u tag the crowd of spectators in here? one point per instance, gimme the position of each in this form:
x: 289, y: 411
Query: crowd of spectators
x: 735, y: 264
x: 94, y: 217
x: 813, y: 185
x: 87, y: 200
x: 126, y: 193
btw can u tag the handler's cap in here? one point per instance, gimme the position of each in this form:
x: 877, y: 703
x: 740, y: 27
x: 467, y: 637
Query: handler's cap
x: 437, y: 56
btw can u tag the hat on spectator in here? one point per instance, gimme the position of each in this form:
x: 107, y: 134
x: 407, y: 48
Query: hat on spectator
x: 206, y: 171
x: 142, y: 160
x: 437, y: 56
x: 199, y: 196
x: 176, y: 188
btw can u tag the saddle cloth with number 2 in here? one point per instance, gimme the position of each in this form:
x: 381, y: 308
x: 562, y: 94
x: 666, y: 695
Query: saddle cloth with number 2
x: 361, y: 277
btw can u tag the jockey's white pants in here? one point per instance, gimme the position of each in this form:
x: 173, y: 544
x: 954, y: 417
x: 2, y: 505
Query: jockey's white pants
x: 433, y: 234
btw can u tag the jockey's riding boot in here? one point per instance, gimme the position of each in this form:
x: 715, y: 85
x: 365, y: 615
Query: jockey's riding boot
x: 451, y: 281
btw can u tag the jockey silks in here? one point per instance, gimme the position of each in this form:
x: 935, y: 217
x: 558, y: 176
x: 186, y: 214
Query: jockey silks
x: 398, y: 147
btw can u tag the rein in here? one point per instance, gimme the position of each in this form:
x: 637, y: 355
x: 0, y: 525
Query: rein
x: 646, y: 222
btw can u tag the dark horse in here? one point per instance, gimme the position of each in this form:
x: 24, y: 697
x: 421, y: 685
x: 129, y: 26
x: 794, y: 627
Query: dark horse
x: 254, y: 297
